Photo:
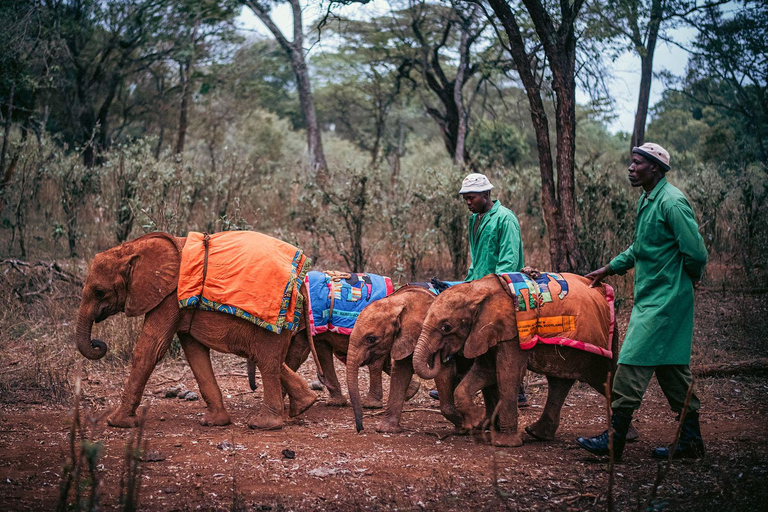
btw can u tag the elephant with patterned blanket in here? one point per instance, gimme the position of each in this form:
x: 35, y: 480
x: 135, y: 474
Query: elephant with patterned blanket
x: 481, y: 319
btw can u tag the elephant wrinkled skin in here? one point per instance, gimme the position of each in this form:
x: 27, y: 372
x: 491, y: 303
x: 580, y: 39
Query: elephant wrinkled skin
x: 478, y: 318
x: 140, y: 277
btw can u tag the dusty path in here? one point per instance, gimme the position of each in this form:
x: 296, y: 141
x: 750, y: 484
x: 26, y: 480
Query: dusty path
x: 189, y: 467
x: 336, y: 469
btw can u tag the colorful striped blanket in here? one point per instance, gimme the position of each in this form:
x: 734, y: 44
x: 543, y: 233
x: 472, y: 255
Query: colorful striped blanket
x: 336, y: 299
x: 243, y: 273
x: 561, y: 309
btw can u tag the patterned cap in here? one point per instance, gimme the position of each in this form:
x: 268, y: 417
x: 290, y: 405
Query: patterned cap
x: 655, y: 153
x: 475, y: 183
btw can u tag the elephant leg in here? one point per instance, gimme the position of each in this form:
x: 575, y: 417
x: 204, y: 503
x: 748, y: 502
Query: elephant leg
x: 270, y: 415
x: 331, y: 381
x: 399, y: 380
x: 480, y: 376
x: 510, y: 365
x: 491, y: 400
x: 269, y: 355
x: 375, y: 398
x: 545, y: 427
x: 301, y: 397
x: 413, y: 387
x: 445, y: 382
x: 199, y: 359
x: 155, y: 338
x: 298, y: 350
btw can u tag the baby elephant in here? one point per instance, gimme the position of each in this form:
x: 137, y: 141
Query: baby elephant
x: 388, y: 329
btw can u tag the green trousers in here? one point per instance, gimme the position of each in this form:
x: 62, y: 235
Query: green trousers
x: 631, y: 382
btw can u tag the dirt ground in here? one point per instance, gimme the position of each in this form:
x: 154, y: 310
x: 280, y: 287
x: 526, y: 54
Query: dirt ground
x: 189, y: 467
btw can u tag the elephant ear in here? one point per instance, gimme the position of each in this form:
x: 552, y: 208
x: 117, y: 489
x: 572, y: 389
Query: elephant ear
x: 405, y: 336
x: 492, y: 323
x: 152, y: 272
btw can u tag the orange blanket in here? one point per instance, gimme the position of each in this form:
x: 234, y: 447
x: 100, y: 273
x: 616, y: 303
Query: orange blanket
x: 562, y: 309
x: 248, y: 274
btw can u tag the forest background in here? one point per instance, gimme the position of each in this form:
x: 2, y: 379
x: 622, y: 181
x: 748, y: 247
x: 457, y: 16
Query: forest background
x: 349, y: 137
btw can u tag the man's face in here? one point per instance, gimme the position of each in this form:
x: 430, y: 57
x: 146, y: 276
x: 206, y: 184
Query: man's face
x: 643, y: 173
x: 477, y: 202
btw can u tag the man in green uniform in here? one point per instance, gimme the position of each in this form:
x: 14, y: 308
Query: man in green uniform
x: 669, y: 257
x: 495, y: 245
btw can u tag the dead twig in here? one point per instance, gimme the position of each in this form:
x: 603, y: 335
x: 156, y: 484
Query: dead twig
x: 665, y: 466
x: 571, y: 499
x: 611, y: 455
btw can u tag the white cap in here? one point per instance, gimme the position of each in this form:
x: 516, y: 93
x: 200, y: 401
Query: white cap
x: 475, y: 183
x: 655, y: 153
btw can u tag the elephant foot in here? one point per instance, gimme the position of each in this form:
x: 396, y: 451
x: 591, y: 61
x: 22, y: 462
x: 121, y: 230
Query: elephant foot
x: 506, y: 439
x: 336, y: 401
x: 459, y: 431
x: 217, y: 419
x: 121, y: 420
x: 387, y: 425
x: 541, y: 431
x: 474, y: 418
x: 371, y: 402
x: 266, y: 423
x: 300, y: 404
x: 413, y: 388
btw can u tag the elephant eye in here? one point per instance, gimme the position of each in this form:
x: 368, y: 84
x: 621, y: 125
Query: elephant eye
x: 370, y: 339
x: 446, y: 328
x: 99, y: 294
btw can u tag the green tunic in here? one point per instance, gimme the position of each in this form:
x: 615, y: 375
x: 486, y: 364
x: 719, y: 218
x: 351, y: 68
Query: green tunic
x: 668, y: 255
x: 496, y: 247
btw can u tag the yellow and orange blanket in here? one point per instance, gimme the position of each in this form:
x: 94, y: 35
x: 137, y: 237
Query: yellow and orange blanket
x: 243, y: 273
x: 562, y: 309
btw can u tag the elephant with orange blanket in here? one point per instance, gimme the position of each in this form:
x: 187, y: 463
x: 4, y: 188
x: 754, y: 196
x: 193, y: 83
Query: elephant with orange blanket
x: 140, y: 277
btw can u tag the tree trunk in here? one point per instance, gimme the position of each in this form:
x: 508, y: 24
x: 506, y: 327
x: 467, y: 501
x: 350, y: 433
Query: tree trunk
x: 7, y: 174
x: 7, y: 133
x: 558, y: 203
x: 295, y: 52
x: 127, y: 192
x: 568, y: 256
x: 314, y: 141
x: 646, y: 74
x: 184, y: 70
x: 459, y: 156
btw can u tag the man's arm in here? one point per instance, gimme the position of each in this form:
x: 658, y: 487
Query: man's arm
x: 509, y: 242
x: 689, y: 241
x: 618, y: 265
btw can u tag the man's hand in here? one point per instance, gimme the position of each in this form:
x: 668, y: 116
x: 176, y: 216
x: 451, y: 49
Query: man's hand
x: 598, y: 275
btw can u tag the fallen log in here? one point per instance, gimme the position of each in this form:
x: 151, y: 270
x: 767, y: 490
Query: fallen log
x: 758, y: 365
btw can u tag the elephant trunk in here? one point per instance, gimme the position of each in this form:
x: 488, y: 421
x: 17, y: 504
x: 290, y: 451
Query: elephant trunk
x: 426, y: 364
x: 354, y: 358
x: 92, y: 349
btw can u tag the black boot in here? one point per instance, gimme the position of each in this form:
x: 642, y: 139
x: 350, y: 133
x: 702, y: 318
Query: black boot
x: 599, y: 445
x: 690, y: 446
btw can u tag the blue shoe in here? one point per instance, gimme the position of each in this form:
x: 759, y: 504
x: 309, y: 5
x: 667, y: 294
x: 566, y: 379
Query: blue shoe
x: 433, y: 394
x: 522, y: 400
